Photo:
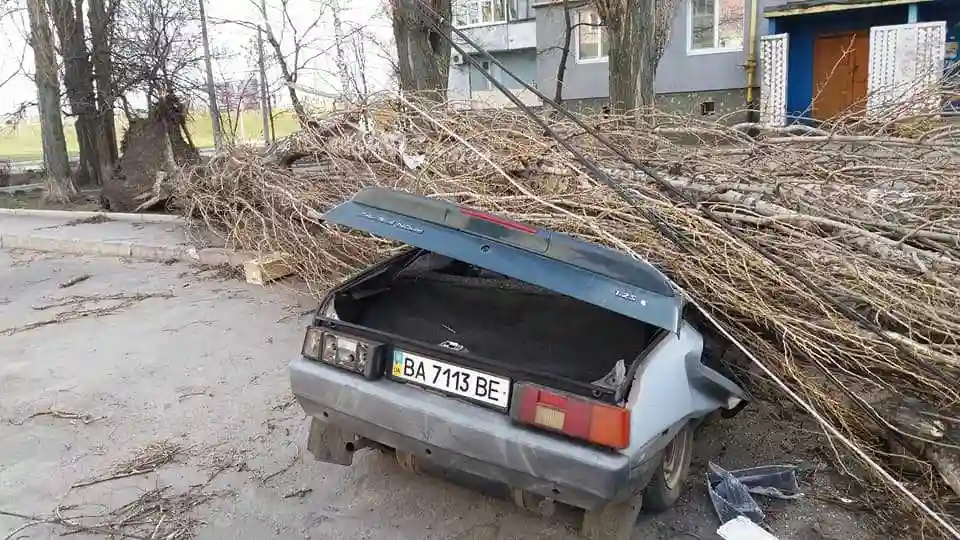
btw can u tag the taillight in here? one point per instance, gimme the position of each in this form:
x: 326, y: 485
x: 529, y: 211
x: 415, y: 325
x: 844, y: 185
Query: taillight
x: 341, y: 351
x: 581, y: 418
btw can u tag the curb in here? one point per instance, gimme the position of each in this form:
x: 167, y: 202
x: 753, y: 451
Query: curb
x: 144, y: 252
x: 75, y: 246
x: 114, y: 216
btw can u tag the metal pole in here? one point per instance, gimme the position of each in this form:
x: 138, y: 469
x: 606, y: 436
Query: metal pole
x: 211, y: 89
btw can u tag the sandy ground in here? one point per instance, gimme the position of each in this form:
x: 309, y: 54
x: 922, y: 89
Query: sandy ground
x: 197, y: 359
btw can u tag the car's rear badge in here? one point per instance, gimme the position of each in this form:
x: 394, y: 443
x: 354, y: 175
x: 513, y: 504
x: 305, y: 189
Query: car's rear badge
x: 392, y: 222
x: 452, y: 346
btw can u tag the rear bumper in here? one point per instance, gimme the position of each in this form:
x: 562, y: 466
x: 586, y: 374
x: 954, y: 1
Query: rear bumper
x: 460, y: 436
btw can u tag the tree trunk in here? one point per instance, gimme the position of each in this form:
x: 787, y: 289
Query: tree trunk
x: 638, y: 31
x: 58, y: 185
x: 211, y: 89
x: 346, y: 84
x: 565, y: 53
x: 289, y: 75
x: 264, y: 96
x: 78, y: 82
x: 101, y: 30
x: 423, y: 54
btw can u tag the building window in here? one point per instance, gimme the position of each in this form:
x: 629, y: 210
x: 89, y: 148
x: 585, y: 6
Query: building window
x: 715, y: 25
x: 479, y: 12
x: 478, y: 77
x: 592, y: 41
x: 484, y: 81
x: 520, y: 9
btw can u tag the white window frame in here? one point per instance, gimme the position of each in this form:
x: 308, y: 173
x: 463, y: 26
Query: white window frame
x: 576, y: 41
x: 465, y: 5
x: 716, y: 31
x: 529, y: 15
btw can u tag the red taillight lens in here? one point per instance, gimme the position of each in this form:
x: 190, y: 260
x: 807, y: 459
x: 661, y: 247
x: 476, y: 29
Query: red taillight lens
x: 599, y: 423
x: 503, y: 222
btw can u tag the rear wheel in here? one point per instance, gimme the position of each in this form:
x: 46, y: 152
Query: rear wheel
x: 667, y: 483
x: 615, y: 521
x: 408, y: 462
x: 533, y: 503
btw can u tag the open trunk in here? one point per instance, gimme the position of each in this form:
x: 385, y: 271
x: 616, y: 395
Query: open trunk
x: 436, y: 299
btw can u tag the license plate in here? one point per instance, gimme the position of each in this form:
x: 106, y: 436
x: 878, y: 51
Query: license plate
x: 457, y: 380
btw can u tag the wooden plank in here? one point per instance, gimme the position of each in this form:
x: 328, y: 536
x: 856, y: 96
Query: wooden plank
x: 267, y: 268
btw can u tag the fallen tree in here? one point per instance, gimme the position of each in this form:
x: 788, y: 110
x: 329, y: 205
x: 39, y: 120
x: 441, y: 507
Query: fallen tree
x: 153, y: 150
x: 865, y: 216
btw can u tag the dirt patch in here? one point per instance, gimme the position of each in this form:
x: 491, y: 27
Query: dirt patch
x: 19, y: 178
x: 766, y: 434
x: 33, y: 200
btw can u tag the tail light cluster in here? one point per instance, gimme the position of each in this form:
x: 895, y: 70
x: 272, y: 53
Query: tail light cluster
x: 580, y: 418
x: 344, y: 352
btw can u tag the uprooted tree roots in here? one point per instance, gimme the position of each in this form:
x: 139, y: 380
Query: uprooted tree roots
x: 868, y: 217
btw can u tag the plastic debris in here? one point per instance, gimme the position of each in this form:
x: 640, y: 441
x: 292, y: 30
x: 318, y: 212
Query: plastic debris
x: 615, y: 378
x: 741, y: 528
x: 731, y: 491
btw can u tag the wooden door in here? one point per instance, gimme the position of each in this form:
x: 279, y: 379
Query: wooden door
x: 840, y: 71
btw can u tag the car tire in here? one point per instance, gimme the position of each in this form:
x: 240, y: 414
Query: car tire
x: 614, y: 521
x: 533, y: 503
x: 668, y: 481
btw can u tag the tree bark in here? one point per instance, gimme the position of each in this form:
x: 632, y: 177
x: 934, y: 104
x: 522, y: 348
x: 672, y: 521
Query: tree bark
x: 58, y: 185
x: 101, y: 30
x: 423, y: 54
x: 78, y: 82
x: 638, y: 31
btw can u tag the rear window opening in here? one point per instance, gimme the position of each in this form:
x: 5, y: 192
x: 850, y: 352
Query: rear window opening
x: 439, y: 300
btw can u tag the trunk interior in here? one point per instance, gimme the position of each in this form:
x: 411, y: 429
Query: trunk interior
x: 437, y: 299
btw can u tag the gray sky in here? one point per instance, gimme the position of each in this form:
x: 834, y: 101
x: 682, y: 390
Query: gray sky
x: 320, y: 74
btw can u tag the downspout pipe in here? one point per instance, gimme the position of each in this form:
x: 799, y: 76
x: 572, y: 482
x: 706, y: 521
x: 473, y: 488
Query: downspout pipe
x: 751, y: 64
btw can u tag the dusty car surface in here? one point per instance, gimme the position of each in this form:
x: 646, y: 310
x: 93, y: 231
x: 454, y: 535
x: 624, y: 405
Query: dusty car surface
x: 568, y: 371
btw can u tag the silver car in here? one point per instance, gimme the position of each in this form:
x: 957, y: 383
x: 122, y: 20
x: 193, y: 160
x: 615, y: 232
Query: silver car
x: 565, y: 370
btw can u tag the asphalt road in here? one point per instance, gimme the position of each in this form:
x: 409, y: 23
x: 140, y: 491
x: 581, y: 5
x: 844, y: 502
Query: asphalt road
x: 137, y: 354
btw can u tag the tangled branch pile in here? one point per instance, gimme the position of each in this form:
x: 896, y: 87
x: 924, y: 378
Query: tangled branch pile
x: 869, y: 217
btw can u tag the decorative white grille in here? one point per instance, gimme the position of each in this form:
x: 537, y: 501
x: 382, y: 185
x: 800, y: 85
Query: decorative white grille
x: 773, y: 79
x: 906, y: 62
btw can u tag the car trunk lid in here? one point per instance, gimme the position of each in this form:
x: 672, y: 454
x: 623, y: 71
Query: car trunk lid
x: 588, y: 272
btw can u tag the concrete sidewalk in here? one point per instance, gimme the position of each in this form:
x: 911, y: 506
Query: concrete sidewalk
x: 100, y: 235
